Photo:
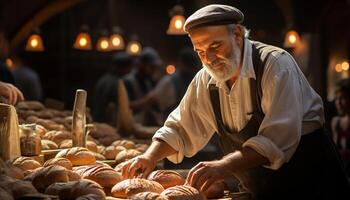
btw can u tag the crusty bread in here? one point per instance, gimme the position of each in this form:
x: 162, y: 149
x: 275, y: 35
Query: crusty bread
x: 100, y: 149
x: 78, y: 156
x: 64, y: 162
x: 90, y: 197
x: 105, y: 176
x: 20, y: 188
x: 26, y: 163
x: 43, y: 177
x: 111, y: 152
x: 65, y: 144
x: 57, y: 136
x: 126, y: 154
x: 75, y: 189
x: 99, y: 156
x: 183, y: 192
x: 98, y: 162
x: 14, y: 172
x: 48, y: 144
x: 40, y: 130
x: 128, y: 144
x: 92, y: 146
x: 167, y: 178
x: 130, y: 187
x: 30, y: 105
x: 149, y: 196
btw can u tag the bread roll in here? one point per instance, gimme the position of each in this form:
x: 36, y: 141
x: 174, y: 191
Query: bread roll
x: 26, y: 163
x: 167, y: 178
x: 30, y: 105
x: 100, y: 149
x: 105, y: 176
x: 90, y: 197
x: 149, y: 196
x: 48, y: 144
x: 57, y: 136
x: 98, y: 162
x: 92, y: 146
x: 126, y: 155
x: 130, y: 187
x: 65, y: 144
x: 75, y: 189
x: 125, y: 143
x: 78, y: 156
x: 111, y: 152
x: 45, y: 176
x: 183, y: 192
x: 99, y: 156
x: 14, y: 172
x: 20, y: 188
x: 40, y: 130
x: 64, y: 162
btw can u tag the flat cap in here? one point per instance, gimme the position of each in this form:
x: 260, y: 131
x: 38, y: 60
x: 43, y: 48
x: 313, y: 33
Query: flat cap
x: 214, y: 14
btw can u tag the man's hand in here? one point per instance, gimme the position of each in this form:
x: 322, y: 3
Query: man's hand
x: 139, y: 166
x: 205, y: 174
x: 10, y: 92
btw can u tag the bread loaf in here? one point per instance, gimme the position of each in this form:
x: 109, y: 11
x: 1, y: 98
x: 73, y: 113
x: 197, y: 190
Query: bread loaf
x: 126, y: 155
x: 98, y: 162
x: 130, y: 187
x: 105, y: 176
x: 78, y: 156
x: 91, y: 146
x: 90, y: 197
x: 48, y: 144
x: 57, y: 136
x: 99, y: 156
x: 43, y: 177
x: 111, y: 152
x: 148, y: 196
x: 167, y: 178
x: 125, y: 143
x: 20, y: 188
x: 75, y: 189
x: 30, y: 105
x: 26, y: 163
x: 68, y: 143
x: 183, y: 192
x: 64, y: 162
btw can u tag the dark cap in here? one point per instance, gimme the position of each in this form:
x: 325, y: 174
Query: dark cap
x: 214, y: 14
x: 122, y: 59
x: 150, y: 56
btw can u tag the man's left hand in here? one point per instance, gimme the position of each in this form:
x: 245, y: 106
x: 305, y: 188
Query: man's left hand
x: 205, y: 174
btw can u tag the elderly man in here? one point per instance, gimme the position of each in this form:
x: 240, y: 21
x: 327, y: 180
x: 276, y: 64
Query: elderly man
x: 269, y: 119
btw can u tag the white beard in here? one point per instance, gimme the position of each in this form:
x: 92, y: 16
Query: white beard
x: 228, y: 66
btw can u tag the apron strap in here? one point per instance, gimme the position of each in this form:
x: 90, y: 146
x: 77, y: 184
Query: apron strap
x: 215, y: 102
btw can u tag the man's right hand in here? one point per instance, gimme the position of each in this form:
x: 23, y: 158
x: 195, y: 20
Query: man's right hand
x: 140, y: 166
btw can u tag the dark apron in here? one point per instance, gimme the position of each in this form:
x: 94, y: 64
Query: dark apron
x: 314, y: 172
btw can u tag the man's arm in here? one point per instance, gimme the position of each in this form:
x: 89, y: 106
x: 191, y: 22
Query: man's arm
x: 146, y: 162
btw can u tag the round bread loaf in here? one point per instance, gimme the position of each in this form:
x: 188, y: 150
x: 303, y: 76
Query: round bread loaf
x: 125, y: 143
x: 167, y: 178
x: 99, y: 156
x: 78, y: 156
x: 111, y: 152
x: 126, y: 154
x: 64, y: 162
x: 75, y: 189
x: 48, y: 144
x: 57, y: 136
x: 149, y: 196
x: 183, y: 192
x: 105, y: 176
x: 26, y: 163
x: 43, y: 177
x: 92, y: 146
x: 130, y: 187
x: 65, y: 144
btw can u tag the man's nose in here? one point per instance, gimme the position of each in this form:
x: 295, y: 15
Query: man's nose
x: 210, y: 57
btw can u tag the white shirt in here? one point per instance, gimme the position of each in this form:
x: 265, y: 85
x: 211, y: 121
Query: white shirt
x: 292, y: 108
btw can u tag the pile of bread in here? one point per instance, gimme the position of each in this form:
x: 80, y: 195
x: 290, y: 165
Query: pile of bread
x: 74, y: 173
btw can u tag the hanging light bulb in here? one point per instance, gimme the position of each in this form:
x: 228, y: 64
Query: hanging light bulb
x: 116, y: 39
x: 83, y: 40
x: 177, y: 21
x: 134, y: 47
x: 103, y: 43
x: 35, y: 43
x: 292, y: 39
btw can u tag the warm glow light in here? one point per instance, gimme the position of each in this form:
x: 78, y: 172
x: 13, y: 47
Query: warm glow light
x: 170, y: 69
x: 134, y: 48
x: 115, y: 41
x: 345, y: 65
x: 34, y: 42
x: 292, y: 39
x: 338, y: 67
x: 9, y: 63
x: 104, y: 44
x: 178, y: 24
x: 83, y: 42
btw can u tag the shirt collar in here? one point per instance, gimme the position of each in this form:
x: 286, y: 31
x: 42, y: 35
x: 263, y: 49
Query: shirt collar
x: 247, y: 70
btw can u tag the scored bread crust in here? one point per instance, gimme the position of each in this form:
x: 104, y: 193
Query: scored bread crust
x: 130, y: 187
x: 78, y: 156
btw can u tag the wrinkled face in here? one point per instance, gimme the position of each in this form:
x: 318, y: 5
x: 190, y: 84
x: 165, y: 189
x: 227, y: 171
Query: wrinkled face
x: 218, y: 49
x: 342, y: 102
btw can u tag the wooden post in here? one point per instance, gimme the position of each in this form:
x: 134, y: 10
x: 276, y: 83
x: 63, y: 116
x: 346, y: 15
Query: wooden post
x: 79, y: 119
x: 9, y: 132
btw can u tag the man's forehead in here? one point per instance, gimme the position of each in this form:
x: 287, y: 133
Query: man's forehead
x: 208, y: 34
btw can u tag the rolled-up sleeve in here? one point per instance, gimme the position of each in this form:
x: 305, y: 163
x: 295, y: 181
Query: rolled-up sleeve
x: 280, y: 131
